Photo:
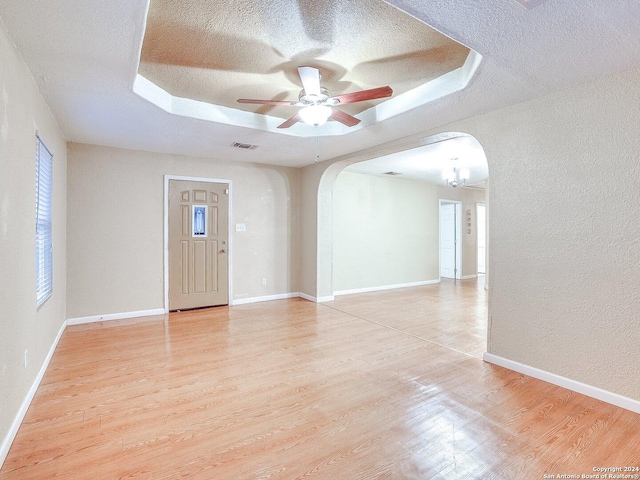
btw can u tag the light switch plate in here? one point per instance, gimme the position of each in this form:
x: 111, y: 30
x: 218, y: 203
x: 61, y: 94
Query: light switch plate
x: 241, y: 227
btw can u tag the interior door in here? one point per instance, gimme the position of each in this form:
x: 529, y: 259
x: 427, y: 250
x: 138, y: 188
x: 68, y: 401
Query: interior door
x: 447, y: 240
x: 198, y: 244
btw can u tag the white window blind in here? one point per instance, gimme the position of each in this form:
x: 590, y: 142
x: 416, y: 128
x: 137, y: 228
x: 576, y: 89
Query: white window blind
x: 44, y: 251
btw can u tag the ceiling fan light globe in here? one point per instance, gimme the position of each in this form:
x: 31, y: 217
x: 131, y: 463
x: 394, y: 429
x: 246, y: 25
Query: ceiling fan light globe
x: 315, y: 115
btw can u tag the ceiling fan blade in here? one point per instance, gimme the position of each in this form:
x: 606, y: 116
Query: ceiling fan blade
x: 344, y: 118
x: 361, y: 96
x: 296, y: 118
x: 266, y: 102
x: 310, y: 77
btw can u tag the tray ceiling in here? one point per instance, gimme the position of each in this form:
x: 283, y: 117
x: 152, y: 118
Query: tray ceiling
x: 84, y: 57
x: 217, y: 52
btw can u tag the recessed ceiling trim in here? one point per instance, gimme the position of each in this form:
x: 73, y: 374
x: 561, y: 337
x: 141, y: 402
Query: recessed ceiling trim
x: 442, y: 86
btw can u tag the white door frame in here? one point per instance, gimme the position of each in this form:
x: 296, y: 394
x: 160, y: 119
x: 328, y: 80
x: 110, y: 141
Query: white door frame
x: 458, y: 235
x: 478, y: 206
x: 166, y: 232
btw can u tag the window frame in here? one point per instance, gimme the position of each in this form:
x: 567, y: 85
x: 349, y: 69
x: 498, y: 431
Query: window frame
x: 44, y: 223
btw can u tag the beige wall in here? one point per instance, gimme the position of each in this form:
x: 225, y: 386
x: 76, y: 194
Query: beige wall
x: 310, y: 177
x: 22, y: 112
x: 563, y: 252
x: 564, y: 256
x: 116, y: 221
x: 317, y: 182
x: 385, y: 231
x: 469, y: 198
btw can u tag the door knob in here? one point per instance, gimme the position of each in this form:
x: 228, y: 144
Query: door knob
x: 224, y: 250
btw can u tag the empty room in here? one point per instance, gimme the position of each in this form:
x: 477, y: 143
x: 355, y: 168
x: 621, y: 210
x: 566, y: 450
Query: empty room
x: 319, y: 239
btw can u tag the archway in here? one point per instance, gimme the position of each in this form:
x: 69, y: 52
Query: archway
x: 324, y: 288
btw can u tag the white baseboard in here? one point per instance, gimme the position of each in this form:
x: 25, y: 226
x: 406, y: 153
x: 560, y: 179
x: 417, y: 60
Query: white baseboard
x: 17, y: 421
x: 114, y: 316
x: 307, y: 297
x: 267, y: 298
x: 588, y: 390
x: 385, y: 287
x: 283, y: 296
x: 328, y: 298
x: 468, y: 277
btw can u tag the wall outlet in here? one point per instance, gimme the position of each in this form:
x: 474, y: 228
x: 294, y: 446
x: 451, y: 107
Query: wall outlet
x: 26, y: 358
x: 241, y: 227
x: 264, y: 281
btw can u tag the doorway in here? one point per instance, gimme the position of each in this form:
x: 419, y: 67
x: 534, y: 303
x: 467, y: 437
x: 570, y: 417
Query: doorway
x: 450, y: 221
x: 196, y: 243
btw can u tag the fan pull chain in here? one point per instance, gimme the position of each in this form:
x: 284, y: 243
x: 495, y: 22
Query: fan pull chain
x: 317, y: 145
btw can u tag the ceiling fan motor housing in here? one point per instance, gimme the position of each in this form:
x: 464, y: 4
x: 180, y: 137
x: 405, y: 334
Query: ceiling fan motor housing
x: 313, y: 99
x: 318, y: 104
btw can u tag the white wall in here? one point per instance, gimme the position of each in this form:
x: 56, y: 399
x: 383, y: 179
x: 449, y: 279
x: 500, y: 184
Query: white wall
x: 115, y: 227
x: 22, y: 327
x: 385, y: 231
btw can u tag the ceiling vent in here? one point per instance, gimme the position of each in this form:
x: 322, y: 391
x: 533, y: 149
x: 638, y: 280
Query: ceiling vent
x: 529, y: 4
x: 392, y: 173
x: 244, y: 146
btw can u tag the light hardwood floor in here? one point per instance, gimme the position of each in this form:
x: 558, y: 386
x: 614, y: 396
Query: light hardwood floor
x: 382, y: 385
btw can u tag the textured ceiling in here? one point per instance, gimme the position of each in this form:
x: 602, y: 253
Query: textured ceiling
x: 219, y: 51
x: 84, y: 57
x: 428, y: 162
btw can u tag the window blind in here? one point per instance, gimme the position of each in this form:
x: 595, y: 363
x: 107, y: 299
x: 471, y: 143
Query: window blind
x: 44, y: 234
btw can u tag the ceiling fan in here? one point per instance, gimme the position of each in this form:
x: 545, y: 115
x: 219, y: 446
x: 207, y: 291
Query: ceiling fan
x: 318, y: 105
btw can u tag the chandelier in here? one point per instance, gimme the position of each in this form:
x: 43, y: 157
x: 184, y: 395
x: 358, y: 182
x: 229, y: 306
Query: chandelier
x: 456, y: 177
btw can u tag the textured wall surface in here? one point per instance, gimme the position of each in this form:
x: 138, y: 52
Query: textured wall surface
x: 564, y: 251
x: 22, y: 112
x: 120, y: 195
x: 564, y: 254
x: 385, y: 231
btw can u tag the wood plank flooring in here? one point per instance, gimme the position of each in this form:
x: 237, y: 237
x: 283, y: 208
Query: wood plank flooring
x: 384, y: 385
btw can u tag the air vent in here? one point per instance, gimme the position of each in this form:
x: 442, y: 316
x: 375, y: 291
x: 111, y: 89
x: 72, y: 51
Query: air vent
x: 392, y: 173
x: 529, y: 4
x: 244, y: 146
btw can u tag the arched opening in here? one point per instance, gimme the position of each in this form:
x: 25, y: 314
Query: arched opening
x: 379, y: 221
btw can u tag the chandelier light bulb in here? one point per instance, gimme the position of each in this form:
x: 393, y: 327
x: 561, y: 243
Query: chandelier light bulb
x: 455, y: 177
x: 448, y: 174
